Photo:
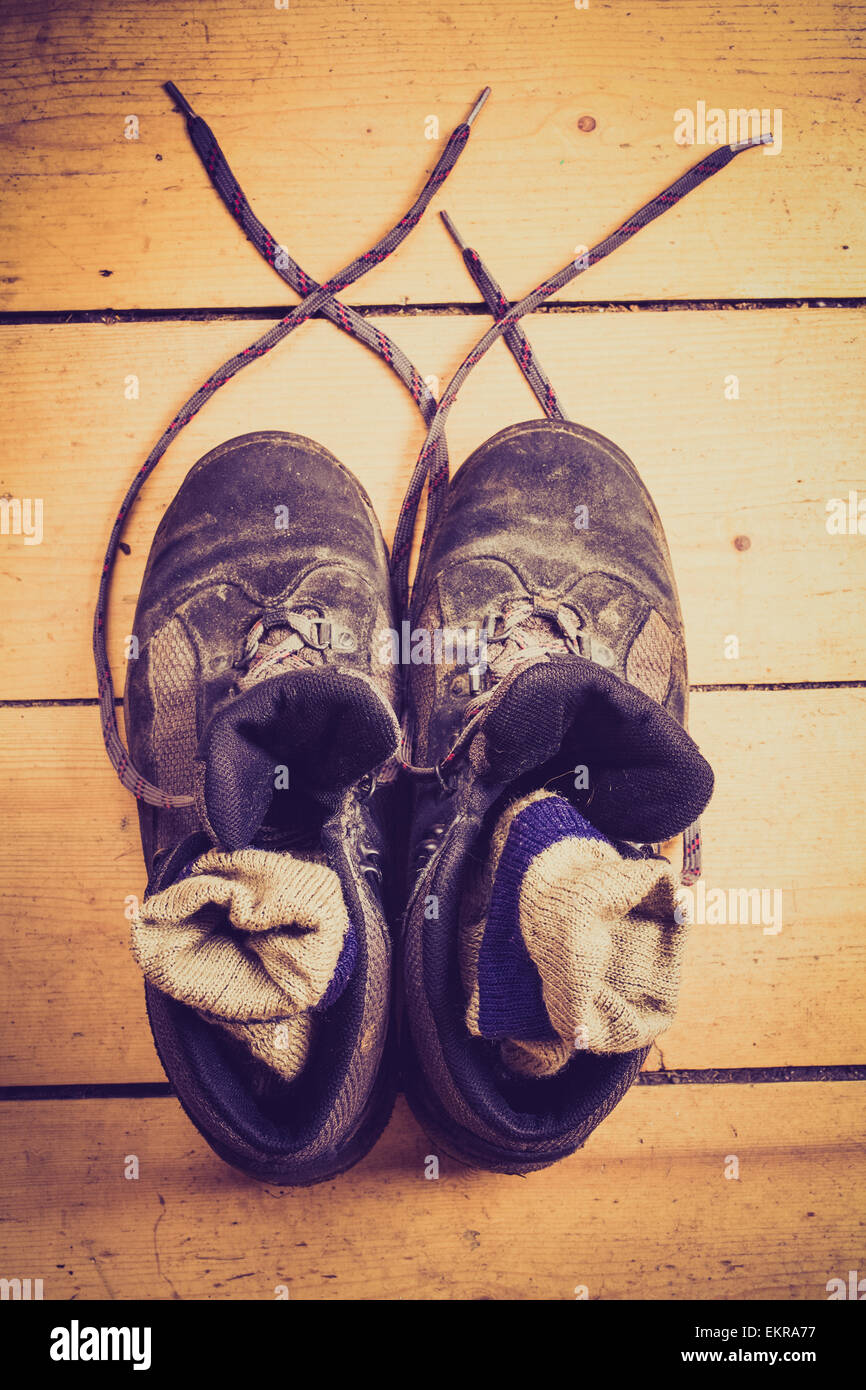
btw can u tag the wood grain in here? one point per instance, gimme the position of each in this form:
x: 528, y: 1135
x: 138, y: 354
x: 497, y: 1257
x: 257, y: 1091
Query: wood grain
x: 786, y: 816
x: 756, y: 471
x: 323, y: 113
x: 644, y: 1211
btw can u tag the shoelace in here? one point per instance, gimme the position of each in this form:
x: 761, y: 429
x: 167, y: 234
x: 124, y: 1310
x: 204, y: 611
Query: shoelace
x: 319, y: 298
x: 294, y: 638
x: 515, y: 338
x: 525, y: 646
x: 429, y: 469
x: 222, y: 177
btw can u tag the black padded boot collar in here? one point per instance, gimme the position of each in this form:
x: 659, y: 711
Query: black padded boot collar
x: 326, y: 727
x: 645, y: 780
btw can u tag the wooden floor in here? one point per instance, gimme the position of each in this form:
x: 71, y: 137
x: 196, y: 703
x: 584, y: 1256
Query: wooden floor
x: 736, y: 1170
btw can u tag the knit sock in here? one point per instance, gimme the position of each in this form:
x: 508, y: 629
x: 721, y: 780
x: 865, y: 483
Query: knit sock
x: 566, y: 945
x: 257, y: 942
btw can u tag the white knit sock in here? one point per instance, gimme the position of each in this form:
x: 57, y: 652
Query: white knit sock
x: 251, y: 940
x: 600, y: 930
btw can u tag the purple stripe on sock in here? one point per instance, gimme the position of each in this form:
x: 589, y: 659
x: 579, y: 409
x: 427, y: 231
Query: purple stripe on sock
x: 510, y: 999
x: 343, y: 972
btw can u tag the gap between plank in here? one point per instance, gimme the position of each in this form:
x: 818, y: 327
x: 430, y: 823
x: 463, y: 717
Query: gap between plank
x: 87, y: 701
x: 716, y: 1076
x: 16, y: 317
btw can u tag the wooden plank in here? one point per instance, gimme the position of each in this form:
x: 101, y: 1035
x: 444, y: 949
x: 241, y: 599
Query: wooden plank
x: 644, y: 1211
x: 761, y: 467
x: 786, y: 816
x: 324, y: 117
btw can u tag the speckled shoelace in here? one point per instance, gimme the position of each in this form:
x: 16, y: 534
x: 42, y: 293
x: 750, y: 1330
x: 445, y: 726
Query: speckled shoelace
x: 431, y: 469
x: 515, y: 338
x: 318, y: 298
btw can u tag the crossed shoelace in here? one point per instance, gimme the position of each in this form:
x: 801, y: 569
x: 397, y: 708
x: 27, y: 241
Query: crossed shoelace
x: 526, y: 647
x: 293, y: 638
x: 317, y: 298
x: 432, y: 468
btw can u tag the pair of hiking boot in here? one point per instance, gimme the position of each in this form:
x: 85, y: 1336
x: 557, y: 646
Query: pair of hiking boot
x: 347, y: 798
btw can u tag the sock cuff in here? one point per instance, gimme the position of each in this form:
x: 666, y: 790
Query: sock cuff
x: 576, y: 948
x: 254, y: 940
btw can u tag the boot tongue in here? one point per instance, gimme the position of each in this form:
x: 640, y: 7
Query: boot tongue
x: 326, y: 728
x: 645, y: 778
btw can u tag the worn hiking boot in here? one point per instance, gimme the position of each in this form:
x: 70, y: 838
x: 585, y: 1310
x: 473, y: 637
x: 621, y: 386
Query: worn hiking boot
x: 258, y: 692
x: 542, y: 939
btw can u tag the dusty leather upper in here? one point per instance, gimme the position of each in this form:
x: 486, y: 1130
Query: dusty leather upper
x: 552, y: 511
x: 265, y: 524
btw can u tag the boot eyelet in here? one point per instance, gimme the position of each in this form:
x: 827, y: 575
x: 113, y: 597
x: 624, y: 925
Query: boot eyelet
x: 428, y: 847
x: 602, y: 655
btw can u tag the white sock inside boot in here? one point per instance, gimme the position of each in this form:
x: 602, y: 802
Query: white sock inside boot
x: 566, y: 945
x: 253, y: 940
